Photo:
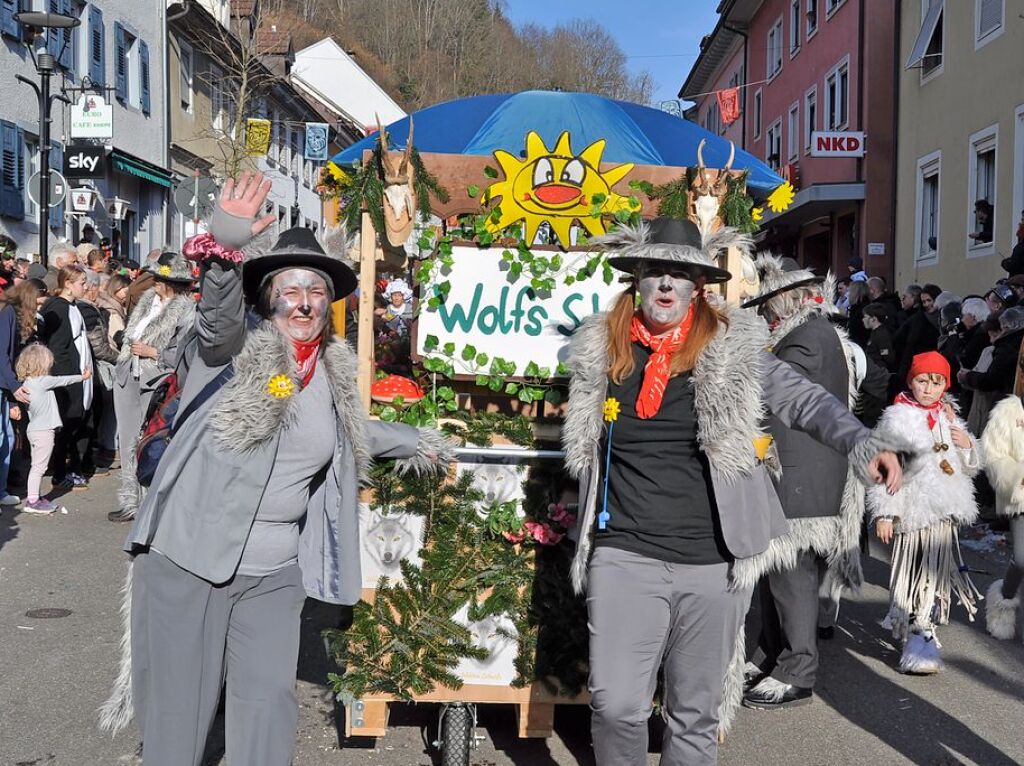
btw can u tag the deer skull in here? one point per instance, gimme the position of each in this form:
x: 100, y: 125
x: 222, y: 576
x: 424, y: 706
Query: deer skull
x: 707, y: 195
x: 399, y: 194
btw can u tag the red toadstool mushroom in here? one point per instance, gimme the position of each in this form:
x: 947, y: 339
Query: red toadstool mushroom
x: 386, y: 390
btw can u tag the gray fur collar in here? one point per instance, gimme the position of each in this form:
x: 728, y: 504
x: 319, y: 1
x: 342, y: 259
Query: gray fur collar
x: 161, y: 330
x: 247, y: 416
x: 804, y: 313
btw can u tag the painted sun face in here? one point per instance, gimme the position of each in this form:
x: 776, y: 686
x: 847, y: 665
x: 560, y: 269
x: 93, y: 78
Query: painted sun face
x: 557, y: 186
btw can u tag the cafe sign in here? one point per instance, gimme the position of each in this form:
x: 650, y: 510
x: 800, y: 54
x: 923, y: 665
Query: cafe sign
x: 504, y: 317
x: 92, y: 117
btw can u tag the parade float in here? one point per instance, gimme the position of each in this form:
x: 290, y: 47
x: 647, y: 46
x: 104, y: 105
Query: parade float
x: 487, y: 205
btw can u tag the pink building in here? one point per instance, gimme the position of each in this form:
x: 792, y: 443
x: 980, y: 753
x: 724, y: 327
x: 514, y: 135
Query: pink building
x: 813, y: 65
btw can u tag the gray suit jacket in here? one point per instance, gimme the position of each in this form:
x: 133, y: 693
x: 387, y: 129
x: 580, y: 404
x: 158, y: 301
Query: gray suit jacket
x: 204, y: 497
x: 812, y: 478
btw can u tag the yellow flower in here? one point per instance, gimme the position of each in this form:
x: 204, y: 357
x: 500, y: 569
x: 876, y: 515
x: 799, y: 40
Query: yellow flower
x: 781, y: 198
x: 611, y: 409
x: 280, y: 387
x: 757, y: 214
x: 165, y: 270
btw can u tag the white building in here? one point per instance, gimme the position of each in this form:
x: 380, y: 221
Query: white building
x: 117, y: 52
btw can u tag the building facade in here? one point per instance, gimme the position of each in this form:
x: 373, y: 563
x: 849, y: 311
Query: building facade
x: 960, y: 141
x: 722, y: 65
x: 814, y: 65
x: 115, y: 53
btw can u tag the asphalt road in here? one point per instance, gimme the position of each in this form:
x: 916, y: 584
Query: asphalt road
x: 55, y: 671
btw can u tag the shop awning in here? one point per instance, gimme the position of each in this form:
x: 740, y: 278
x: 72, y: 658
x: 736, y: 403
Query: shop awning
x: 924, y: 37
x: 133, y: 166
x: 813, y: 202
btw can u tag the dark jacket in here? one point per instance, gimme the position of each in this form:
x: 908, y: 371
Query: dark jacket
x: 55, y: 333
x: 855, y: 329
x: 917, y: 335
x: 9, y: 348
x: 894, y: 314
x: 880, y: 349
x: 1003, y: 371
x: 813, y: 476
x: 96, y: 330
x: 1014, y: 265
x: 975, y: 341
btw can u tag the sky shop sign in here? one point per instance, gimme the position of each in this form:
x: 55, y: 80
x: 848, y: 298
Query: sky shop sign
x: 507, y: 318
x: 92, y: 117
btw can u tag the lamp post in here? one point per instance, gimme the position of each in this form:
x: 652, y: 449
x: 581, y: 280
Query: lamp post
x: 36, y: 25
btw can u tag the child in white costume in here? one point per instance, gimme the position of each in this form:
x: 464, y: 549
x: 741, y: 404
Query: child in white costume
x: 922, y: 518
x: 1003, y: 442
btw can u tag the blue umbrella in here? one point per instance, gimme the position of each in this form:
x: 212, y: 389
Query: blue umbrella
x: 481, y: 124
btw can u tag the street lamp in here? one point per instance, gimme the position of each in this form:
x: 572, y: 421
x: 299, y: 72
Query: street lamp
x: 36, y: 25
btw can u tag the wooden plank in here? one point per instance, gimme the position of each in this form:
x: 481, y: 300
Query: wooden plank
x: 367, y: 718
x: 478, y: 693
x: 536, y: 719
x: 367, y: 277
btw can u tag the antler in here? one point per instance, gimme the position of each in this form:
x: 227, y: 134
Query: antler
x: 383, y: 134
x: 702, y: 176
x: 723, y: 174
x: 407, y: 154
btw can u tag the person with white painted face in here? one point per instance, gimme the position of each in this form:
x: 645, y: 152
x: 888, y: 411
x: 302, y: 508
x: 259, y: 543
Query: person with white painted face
x: 667, y: 393
x: 253, y: 506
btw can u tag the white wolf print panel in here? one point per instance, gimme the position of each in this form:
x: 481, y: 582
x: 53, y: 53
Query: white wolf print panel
x: 387, y: 539
x: 497, y: 634
x: 498, y: 479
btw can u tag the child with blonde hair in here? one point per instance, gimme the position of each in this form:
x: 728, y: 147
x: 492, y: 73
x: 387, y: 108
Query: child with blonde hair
x: 33, y: 369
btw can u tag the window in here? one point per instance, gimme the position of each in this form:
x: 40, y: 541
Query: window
x: 217, y: 111
x: 97, y: 54
x: 757, y: 113
x: 30, y: 167
x: 812, y: 17
x: 286, y: 144
x: 295, y: 168
x: 837, y: 97
x: 793, y: 133
x: 60, y: 43
x: 810, y: 116
x: 794, y: 26
x: 713, y: 119
x: 989, y: 20
x: 926, y: 246
x: 186, y: 84
x: 831, y: 6
x: 774, y: 49
x: 12, y: 171
x: 123, y: 43
x: 982, y: 189
x: 773, y: 145
x: 927, y: 52
x: 275, y: 138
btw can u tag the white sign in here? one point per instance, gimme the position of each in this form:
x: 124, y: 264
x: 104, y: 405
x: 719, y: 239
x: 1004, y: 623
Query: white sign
x: 876, y: 248
x: 837, y: 144
x: 388, y: 539
x: 92, y: 117
x: 506, y: 318
x: 497, y: 635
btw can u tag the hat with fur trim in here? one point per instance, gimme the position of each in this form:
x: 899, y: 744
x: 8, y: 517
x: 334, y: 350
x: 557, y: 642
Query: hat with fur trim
x: 779, y: 275
x: 172, y: 267
x: 671, y: 241
x: 297, y: 248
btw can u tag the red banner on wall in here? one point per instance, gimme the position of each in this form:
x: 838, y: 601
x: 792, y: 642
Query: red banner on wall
x: 729, y: 105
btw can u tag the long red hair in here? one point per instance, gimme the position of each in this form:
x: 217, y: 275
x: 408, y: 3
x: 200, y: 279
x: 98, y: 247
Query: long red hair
x: 620, y: 345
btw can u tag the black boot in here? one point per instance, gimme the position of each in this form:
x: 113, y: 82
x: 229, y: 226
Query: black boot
x: 121, y: 515
x: 772, y: 694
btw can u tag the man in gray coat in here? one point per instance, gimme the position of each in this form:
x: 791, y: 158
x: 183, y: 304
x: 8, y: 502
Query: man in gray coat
x: 811, y: 489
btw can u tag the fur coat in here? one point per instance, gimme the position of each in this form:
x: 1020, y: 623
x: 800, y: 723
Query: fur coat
x: 929, y: 494
x: 1003, y: 446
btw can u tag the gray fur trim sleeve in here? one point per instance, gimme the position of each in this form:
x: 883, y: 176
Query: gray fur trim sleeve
x: 434, y: 451
x: 865, y: 451
x: 230, y: 231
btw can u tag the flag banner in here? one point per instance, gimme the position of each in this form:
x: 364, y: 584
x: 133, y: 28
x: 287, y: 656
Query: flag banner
x: 257, y: 137
x: 316, y: 141
x: 729, y: 105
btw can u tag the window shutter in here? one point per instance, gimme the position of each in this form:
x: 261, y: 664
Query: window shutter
x: 97, y: 61
x: 8, y: 25
x: 990, y: 16
x: 120, y: 64
x: 12, y: 175
x: 185, y: 76
x: 57, y: 163
x: 144, y: 75
x: 54, y: 37
x: 67, y: 42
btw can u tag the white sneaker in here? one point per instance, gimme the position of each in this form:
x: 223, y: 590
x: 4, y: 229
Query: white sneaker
x: 10, y: 500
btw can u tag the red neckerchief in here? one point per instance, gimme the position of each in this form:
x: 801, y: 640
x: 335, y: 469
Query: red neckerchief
x: 931, y: 409
x: 305, y: 356
x: 658, y: 367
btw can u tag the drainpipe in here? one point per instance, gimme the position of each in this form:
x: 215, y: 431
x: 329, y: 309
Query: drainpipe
x: 743, y: 89
x: 897, y: 72
x: 186, y: 6
x: 861, y: 231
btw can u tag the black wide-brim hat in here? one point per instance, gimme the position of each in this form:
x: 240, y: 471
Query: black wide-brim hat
x: 669, y: 241
x: 779, y: 275
x: 297, y: 248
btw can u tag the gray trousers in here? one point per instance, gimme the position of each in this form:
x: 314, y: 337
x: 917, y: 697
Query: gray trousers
x: 1015, y: 569
x: 643, y: 612
x: 787, y: 646
x: 188, y: 637
x: 130, y: 409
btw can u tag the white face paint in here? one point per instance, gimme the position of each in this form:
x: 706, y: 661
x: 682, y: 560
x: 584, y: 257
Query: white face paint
x: 665, y: 294
x: 299, y: 303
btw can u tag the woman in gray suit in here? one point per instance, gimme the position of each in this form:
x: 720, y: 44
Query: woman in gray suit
x: 666, y: 398
x: 253, y: 506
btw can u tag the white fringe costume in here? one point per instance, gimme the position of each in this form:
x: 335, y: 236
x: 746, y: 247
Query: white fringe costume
x: 937, y: 497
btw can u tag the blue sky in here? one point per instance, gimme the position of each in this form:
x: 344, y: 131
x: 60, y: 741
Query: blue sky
x: 661, y: 36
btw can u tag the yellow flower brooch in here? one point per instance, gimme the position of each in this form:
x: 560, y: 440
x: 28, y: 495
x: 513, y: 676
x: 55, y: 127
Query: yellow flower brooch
x: 611, y: 409
x: 280, y: 387
x: 165, y: 270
